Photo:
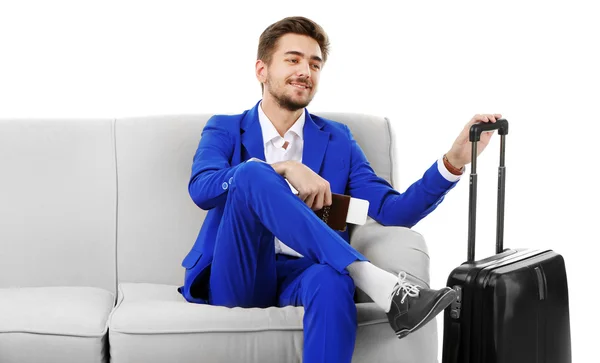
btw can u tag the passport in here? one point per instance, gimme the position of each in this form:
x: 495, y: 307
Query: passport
x: 343, y: 209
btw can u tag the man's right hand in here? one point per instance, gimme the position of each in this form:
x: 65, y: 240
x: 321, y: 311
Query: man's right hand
x: 312, y: 189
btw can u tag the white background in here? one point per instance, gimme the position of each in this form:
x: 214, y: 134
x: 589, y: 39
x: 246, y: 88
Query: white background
x: 429, y: 67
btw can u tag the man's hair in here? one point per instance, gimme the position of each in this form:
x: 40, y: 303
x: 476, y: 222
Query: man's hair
x: 293, y: 24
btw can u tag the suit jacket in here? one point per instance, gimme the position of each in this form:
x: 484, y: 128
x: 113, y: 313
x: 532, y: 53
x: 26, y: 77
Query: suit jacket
x: 330, y: 150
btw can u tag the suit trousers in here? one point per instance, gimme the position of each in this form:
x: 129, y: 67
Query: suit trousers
x: 246, y: 272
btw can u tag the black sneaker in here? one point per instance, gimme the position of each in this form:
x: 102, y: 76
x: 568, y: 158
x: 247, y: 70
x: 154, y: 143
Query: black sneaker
x: 417, y: 306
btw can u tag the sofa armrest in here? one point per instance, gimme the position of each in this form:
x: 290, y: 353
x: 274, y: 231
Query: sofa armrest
x: 393, y: 249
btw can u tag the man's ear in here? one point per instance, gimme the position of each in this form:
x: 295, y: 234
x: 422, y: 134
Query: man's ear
x: 261, y: 71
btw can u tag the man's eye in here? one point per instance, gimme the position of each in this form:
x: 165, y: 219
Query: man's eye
x: 293, y: 60
x: 317, y: 66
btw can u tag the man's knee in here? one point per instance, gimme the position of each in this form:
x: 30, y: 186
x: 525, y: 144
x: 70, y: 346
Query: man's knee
x: 253, y: 173
x: 329, y: 285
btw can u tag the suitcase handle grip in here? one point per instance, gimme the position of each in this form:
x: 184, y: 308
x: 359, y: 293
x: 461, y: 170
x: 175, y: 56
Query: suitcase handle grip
x: 475, y: 132
x: 476, y: 129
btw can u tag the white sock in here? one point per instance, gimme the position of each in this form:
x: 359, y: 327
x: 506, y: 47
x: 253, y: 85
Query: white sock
x: 375, y: 282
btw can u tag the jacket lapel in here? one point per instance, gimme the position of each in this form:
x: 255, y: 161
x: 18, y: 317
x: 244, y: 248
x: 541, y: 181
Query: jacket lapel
x: 315, y: 140
x: 315, y: 143
x: 252, y: 134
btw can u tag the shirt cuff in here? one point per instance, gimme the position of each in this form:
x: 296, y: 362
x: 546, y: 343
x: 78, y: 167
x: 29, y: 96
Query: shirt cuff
x: 257, y: 159
x: 291, y: 187
x: 445, y: 172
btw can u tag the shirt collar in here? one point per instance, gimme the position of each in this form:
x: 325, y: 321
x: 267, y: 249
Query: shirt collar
x: 269, y: 131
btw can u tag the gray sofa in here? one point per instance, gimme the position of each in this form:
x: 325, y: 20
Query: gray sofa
x: 95, y: 219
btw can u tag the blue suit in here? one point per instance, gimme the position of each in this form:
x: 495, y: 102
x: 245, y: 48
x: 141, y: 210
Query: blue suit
x: 233, y: 261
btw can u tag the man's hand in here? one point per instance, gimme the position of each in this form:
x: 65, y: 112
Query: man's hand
x: 460, y: 153
x: 312, y: 189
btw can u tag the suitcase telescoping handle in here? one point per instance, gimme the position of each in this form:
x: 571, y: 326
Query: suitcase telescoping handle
x: 474, y: 134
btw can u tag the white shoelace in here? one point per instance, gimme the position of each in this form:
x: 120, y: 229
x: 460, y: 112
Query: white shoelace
x: 408, y: 288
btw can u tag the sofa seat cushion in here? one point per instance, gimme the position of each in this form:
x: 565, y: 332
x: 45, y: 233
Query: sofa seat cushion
x: 153, y: 323
x: 64, y: 324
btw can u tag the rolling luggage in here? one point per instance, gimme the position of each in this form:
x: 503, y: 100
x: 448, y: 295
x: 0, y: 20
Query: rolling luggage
x: 511, y: 307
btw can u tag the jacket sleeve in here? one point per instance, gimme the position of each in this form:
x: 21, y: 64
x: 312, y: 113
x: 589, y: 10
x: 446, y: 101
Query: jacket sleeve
x: 388, y: 206
x: 211, y: 168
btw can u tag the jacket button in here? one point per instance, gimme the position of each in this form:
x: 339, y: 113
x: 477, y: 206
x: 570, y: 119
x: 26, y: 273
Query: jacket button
x: 225, y: 185
x: 230, y: 180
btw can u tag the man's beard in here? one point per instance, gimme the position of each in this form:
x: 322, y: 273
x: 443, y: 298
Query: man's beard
x: 285, y: 101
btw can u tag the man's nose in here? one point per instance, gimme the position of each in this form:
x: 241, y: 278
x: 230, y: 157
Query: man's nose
x: 303, y: 69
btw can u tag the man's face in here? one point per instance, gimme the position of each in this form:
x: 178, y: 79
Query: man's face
x: 293, y: 75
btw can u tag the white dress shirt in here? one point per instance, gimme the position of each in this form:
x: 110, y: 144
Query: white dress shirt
x: 274, y: 153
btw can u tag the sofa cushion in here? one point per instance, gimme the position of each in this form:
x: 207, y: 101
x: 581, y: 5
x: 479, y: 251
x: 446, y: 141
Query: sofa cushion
x: 153, y: 323
x: 58, y: 203
x: 157, y: 220
x: 376, y: 138
x: 64, y: 324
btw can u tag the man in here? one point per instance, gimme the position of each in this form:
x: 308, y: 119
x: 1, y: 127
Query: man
x: 262, y: 245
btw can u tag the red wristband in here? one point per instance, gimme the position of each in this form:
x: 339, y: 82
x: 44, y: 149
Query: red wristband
x: 451, y: 167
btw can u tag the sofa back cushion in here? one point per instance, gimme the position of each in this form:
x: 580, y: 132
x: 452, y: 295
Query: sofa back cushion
x: 375, y: 136
x: 57, y: 203
x: 157, y: 220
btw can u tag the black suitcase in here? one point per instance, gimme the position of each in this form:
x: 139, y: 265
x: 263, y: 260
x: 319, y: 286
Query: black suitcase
x: 512, y: 307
